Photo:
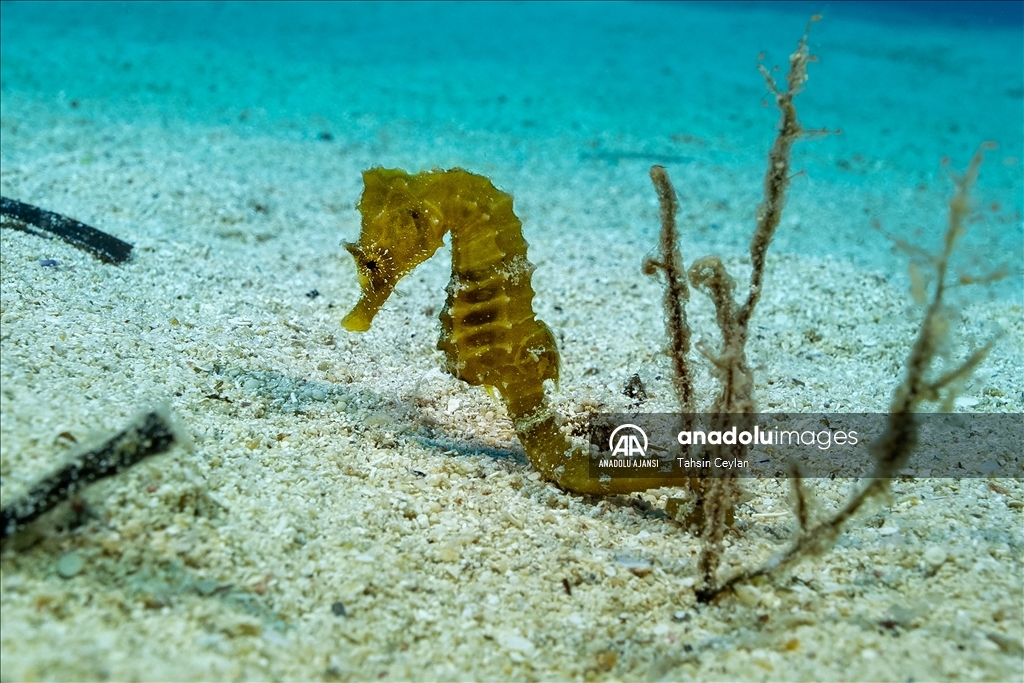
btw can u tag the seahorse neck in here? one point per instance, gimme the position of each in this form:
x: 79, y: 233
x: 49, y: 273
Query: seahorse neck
x: 479, y: 218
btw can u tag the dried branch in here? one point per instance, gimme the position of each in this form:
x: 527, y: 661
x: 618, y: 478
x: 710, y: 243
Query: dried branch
x: 105, y: 247
x: 151, y: 433
x: 799, y: 497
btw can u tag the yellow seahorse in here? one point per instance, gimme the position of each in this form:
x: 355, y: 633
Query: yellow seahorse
x: 489, y: 333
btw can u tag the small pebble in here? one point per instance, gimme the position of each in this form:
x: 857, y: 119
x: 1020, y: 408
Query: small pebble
x: 638, y: 566
x: 606, y: 660
x: 889, y: 529
x: 747, y: 594
x: 514, y: 642
x: 934, y: 556
x: 338, y: 609
x: 70, y: 565
x: 206, y: 587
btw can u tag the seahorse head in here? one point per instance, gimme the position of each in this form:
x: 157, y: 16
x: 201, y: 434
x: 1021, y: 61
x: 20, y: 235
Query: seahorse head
x: 401, y: 229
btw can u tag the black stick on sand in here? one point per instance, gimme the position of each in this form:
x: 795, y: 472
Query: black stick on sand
x: 105, y: 247
x: 150, y: 433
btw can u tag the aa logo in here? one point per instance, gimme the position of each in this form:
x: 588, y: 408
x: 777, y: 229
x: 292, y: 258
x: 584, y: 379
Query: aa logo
x: 628, y: 441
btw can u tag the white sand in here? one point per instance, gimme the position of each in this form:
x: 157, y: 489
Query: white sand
x: 333, y: 467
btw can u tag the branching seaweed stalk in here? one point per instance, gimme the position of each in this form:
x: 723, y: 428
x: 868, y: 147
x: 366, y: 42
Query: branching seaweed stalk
x: 893, y: 449
x: 715, y: 497
x: 677, y: 293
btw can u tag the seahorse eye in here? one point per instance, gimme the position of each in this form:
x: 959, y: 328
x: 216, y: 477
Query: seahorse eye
x: 371, y: 265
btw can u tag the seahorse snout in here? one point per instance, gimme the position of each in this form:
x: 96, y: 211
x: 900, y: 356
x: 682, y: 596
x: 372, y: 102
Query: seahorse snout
x: 377, y: 280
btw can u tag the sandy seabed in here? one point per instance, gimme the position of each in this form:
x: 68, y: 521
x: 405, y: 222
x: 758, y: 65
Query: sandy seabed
x: 349, y: 511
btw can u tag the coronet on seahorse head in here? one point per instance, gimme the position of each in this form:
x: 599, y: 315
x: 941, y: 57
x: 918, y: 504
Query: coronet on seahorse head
x: 401, y: 229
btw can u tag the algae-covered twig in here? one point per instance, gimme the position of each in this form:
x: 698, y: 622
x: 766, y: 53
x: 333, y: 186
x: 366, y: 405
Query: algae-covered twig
x: 715, y: 497
x: 149, y: 434
x: 709, y: 275
x: 677, y: 293
x: 893, y: 449
x: 105, y: 247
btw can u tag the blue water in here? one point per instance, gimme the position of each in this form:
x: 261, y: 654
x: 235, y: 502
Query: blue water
x: 551, y: 89
x: 641, y: 69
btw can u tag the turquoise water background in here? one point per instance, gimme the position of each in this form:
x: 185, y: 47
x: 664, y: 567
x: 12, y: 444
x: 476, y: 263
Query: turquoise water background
x: 600, y: 91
